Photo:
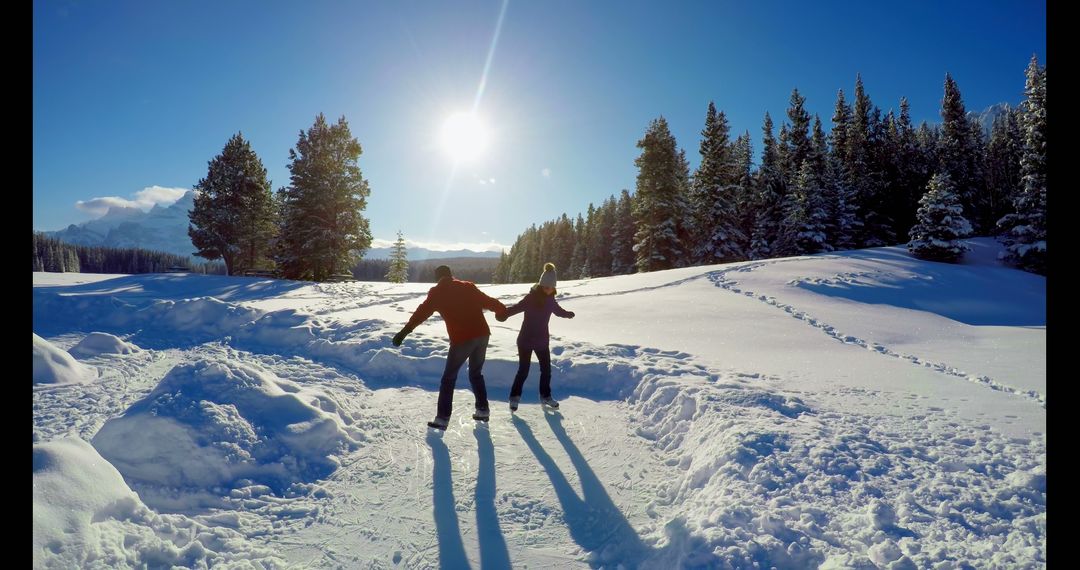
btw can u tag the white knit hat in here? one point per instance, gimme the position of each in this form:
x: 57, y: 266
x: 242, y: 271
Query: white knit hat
x: 548, y: 278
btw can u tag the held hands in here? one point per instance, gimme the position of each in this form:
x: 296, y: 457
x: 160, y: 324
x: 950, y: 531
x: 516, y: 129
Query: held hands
x: 501, y: 316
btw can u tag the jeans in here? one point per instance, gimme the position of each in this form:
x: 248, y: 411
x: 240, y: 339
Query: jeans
x: 543, y: 355
x: 475, y: 350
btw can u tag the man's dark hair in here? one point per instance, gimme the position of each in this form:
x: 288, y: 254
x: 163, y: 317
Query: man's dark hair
x: 442, y: 271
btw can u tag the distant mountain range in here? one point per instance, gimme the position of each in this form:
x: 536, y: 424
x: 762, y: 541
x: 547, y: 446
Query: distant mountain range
x: 419, y: 253
x: 160, y: 229
x: 165, y: 229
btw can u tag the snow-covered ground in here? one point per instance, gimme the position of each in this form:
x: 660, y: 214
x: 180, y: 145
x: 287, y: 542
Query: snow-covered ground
x: 853, y: 410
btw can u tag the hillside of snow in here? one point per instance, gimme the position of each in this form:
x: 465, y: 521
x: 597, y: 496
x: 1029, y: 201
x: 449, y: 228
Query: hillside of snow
x: 861, y: 409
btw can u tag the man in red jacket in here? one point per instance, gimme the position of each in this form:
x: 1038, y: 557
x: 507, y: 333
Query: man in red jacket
x: 462, y: 306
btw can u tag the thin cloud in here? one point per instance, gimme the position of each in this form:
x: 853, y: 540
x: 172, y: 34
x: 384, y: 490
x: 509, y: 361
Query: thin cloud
x: 154, y: 195
x: 99, y: 206
x: 143, y: 199
x: 546, y: 173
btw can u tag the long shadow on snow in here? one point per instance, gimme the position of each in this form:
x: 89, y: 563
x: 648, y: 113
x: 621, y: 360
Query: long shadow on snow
x: 493, y: 552
x: 595, y: 522
x: 451, y: 549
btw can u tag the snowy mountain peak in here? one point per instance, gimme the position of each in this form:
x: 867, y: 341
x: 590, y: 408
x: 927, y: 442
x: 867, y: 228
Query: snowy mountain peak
x: 163, y: 228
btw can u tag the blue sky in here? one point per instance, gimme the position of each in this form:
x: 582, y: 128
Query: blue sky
x: 132, y: 97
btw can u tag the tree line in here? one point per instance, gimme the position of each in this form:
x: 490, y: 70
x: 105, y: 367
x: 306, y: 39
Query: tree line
x: 476, y: 269
x: 53, y: 255
x: 873, y: 180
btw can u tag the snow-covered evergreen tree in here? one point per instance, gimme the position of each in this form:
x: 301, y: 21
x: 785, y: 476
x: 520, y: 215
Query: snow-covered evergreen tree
x: 234, y: 217
x: 857, y: 161
x: 1025, y: 237
x: 713, y: 231
x: 745, y: 193
x: 681, y: 211
x: 768, y: 197
x: 804, y: 223
x: 957, y: 150
x: 323, y: 231
x: 659, y: 206
x: 797, y: 144
x: 399, y: 262
x: 940, y: 223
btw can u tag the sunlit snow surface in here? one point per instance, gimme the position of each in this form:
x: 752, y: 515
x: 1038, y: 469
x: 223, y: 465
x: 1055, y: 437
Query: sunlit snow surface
x: 853, y: 410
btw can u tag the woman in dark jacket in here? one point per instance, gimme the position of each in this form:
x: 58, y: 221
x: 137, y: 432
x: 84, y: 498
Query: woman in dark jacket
x: 538, y: 307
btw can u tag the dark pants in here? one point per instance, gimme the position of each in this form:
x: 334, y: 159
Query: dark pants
x: 543, y: 355
x: 475, y: 350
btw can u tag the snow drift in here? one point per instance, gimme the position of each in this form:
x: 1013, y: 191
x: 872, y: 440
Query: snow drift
x: 222, y: 424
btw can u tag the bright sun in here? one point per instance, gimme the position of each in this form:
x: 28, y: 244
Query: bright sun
x: 464, y: 136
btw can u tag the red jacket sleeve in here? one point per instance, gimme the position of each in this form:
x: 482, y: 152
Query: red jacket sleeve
x: 490, y: 303
x: 425, y: 310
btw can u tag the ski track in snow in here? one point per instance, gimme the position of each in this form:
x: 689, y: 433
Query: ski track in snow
x: 720, y: 279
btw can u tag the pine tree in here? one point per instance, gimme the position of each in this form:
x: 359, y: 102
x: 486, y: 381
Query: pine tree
x: 1025, y: 237
x: 858, y: 163
x: 502, y: 269
x: 744, y: 213
x: 909, y: 182
x: 926, y: 144
x: 1002, y: 164
x: 843, y: 226
x: 768, y: 197
x: 234, y: 217
x: 805, y: 217
x: 981, y: 201
x: 399, y: 262
x: 798, y: 139
x: 659, y: 199
x: 623, y: 258
x: 601, y: 230
x: 524, y: 256
x: 563, y: 244
x: 578, y: 268
x: 323, y: 231
x: 940, y: 223
x: 714, y: 230
x: 875, y: 190
x: 841, y: 121
x: 956, y: 148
